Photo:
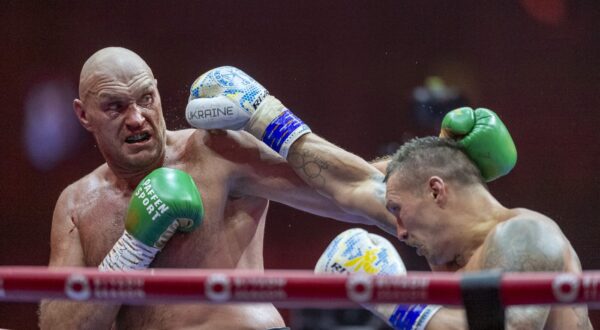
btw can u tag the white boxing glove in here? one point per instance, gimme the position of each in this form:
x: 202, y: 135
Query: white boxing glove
x: 356, y: 251
x: 227, y: 98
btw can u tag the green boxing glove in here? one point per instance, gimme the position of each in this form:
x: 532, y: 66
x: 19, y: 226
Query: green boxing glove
x: 485, y: 139
x: 164, y: 202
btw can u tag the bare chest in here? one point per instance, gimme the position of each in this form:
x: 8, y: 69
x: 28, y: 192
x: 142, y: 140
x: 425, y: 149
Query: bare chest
x: 232, y: 228
x: 100, y: 221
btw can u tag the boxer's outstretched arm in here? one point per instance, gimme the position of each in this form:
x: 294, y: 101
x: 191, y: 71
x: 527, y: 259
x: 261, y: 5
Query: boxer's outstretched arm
x: 348, y: 179
x: 261, y: 172
x: 66, y: 251
x: 227, y: 98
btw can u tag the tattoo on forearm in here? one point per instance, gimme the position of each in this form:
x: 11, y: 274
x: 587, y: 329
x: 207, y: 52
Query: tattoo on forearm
x: 311, y: 165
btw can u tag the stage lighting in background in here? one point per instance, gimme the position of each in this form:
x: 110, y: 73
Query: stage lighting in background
x: 51, y: 131
x: 428, y: 105
x: 433, y: 100
x: 548, y: 12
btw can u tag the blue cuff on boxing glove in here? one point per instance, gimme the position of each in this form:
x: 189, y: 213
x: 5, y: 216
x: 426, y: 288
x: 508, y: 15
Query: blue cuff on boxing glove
x: 412, y: 317
x: 283, y: 131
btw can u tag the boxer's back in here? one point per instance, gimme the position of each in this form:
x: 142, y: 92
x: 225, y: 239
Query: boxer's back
x: 231, y: 235
x: 568, y: 317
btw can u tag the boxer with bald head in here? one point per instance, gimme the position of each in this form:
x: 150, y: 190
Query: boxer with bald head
x: 120, y: 105
x: 235, y: 173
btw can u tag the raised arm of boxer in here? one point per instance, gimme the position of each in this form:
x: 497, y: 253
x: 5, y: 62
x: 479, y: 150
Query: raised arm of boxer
x: 226, y: 97
x: 259, y: 171
x: 165, y: 201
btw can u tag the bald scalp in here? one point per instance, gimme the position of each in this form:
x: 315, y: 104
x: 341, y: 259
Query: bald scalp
x: 110, y: 63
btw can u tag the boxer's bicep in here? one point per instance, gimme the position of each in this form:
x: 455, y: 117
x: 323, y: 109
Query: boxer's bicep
x: 285, y: 187
x: 335, y: 186
x: 65, y: 244
x: 278, y: 182
x: 524, y: 245
x: 347, y: 179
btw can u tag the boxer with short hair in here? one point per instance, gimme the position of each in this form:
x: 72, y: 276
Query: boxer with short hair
x: 444, y: 210
x: 235, y: 174
x: 223, y: 179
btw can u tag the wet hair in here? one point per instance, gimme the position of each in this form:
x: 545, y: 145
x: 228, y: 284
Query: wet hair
x: 421, y: 158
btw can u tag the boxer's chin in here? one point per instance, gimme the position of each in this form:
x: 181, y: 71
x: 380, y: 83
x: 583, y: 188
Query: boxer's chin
x: 143, y: 158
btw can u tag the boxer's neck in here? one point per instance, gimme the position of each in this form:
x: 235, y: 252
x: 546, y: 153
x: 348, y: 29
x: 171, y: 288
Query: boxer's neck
x: 475, y: 215
x: 125, y: 179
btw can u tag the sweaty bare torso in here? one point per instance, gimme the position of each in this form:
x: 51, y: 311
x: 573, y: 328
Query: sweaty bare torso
x: 231, y: 235
x: 560, y: 317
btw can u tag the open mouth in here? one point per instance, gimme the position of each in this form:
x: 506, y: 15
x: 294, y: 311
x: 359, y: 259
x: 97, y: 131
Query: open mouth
x: 137, y: 138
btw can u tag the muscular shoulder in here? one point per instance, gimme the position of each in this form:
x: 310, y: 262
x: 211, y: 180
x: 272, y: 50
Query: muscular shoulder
x: 237, y: 147
x: 239, y: 158
x: 82, y: 191
x: 527, y: 242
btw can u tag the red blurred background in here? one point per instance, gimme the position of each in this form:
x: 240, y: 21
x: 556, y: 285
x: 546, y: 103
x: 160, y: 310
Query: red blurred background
x: 348, y: 68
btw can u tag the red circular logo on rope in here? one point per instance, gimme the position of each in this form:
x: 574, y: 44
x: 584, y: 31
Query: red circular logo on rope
x: 359, y: 288
x: 565, y: 287
x: 218, y: 287
x: 77, y: 287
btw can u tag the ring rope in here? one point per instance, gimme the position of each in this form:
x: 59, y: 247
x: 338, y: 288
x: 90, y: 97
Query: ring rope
x: 286, y: 288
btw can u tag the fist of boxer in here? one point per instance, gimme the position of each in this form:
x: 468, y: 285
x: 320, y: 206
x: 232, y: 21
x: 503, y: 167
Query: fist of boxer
x: 485, y: 139
x: 164, y: 202
x: 227, y: 98
x: 357, y: 251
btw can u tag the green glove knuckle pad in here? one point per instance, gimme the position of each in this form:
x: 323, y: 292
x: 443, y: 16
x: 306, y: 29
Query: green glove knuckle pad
x: 490, y: 145
x: 459, y: 121
x: 162, y: 197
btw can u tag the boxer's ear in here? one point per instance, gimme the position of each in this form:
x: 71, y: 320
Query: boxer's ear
x: 81, y: 114
x: 437, y: 189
